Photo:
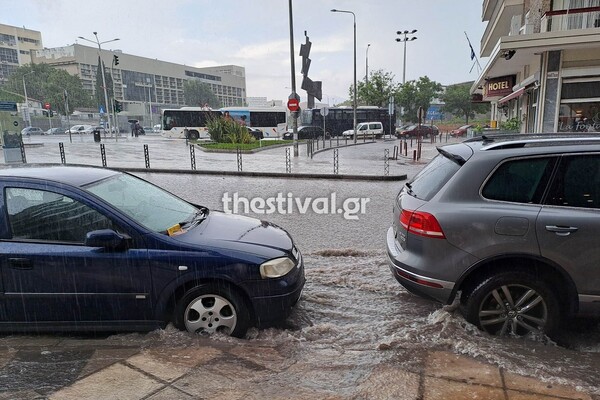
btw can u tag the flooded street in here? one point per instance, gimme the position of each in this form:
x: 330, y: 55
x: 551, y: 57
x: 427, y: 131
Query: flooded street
x: 355, y: 333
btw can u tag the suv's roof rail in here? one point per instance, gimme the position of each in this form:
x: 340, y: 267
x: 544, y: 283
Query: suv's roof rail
x: 505, y: 141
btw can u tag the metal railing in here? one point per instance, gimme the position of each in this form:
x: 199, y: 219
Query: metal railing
x: 577, y: 18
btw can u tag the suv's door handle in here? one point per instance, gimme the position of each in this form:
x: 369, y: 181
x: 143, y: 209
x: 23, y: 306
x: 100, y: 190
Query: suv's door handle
x: 561, y: 230
x: 20, y: 263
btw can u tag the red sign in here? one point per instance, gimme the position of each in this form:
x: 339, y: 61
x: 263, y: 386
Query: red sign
x: 47, y: 106
x: 293, y: 105
x: 499, y: 87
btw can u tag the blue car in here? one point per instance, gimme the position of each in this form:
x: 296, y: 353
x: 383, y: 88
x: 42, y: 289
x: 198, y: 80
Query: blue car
x: 92, y: 249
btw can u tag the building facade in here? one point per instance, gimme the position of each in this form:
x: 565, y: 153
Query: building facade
x: 544, y: 64
x: 145, y: 85
x: 16, y: 46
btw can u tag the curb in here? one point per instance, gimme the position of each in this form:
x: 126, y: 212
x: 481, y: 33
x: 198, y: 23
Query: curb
x: 234, y: 151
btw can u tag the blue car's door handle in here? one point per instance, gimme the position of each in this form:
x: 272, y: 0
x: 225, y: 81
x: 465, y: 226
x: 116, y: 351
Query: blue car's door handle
x: 20, y: 263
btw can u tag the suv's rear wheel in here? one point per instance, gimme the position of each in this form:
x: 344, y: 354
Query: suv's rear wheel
x: 512, y: 303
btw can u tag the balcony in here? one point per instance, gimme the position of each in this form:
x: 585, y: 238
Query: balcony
x: 565, y: 20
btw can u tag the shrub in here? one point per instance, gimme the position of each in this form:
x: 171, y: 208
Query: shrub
x: 224, y: 130
x: 512, y: 125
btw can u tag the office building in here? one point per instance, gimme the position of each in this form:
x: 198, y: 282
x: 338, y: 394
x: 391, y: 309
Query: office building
x: 142, y: 84
x: 16, y: 45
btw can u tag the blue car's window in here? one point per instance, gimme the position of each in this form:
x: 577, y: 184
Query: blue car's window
x: 149, y: 205
x: 42, y: 215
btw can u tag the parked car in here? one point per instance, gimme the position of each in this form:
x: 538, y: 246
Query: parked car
x: 368, y: 129
x: 511, y: 223
x: 110, y: 251
x: 462, y: 131
x: 55, y: 131
x: 423, y: 131
x: 80, y: 129
x: 32, y: 130
x: 305, y: 132
x: 256, y: 133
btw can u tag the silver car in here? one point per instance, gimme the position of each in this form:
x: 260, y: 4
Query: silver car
x: 511, y: 225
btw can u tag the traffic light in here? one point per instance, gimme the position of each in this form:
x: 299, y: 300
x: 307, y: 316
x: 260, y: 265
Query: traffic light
x: 118, y: 106
x: 115, y: 59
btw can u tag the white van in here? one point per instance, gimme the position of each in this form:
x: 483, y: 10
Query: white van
x: 369, y: 129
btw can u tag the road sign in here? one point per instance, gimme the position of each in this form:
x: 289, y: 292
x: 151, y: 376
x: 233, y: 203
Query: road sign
x: 47, y: 106
x: 8, y: 106
x: 324, y: 111
x: 293, y: 105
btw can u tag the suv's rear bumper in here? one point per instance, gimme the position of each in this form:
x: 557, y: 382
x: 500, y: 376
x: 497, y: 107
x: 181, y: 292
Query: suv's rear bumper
x: 418, y: 284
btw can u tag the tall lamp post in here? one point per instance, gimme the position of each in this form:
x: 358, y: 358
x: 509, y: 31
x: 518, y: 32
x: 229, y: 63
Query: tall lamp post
x: 26, y: 99
x: 405, y: 39
x: 367, y: 69
x: 354, y: 101
x: 99, y: 43
x: 367, y: 65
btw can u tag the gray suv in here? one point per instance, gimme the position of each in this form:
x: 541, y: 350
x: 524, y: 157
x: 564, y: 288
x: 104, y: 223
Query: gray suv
x: 509, y: 223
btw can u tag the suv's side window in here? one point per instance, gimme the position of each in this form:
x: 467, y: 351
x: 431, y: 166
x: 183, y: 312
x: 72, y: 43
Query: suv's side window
x: 519, y: 181
x: 43, y: 215
x: 577, y: 182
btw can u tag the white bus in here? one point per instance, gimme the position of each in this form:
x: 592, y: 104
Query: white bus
x: 272, y: 121
x: 194, y: 119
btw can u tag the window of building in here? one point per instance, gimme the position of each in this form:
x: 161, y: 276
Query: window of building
x: 7, y: 39
x: 9, y: 55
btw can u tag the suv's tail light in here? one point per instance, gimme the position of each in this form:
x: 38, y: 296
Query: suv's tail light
x: 422, y: 224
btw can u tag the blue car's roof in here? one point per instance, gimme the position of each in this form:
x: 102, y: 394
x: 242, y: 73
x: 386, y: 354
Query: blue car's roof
x: 75, y: 176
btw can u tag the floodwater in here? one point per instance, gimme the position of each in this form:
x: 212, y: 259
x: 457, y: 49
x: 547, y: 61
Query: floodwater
x: 353, y: 315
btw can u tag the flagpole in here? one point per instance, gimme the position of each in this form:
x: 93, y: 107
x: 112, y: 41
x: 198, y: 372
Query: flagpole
x: 473, y: 55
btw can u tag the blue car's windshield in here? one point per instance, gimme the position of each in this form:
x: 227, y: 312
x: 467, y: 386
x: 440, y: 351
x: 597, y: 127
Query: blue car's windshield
x: 149, y: 205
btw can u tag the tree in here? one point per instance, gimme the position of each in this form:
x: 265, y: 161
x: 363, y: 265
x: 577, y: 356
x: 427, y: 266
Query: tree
x: 199, y: 94
x: 458, y: 102
x: 378, y: 91
x: 415, y: 94
x: 47, y: 84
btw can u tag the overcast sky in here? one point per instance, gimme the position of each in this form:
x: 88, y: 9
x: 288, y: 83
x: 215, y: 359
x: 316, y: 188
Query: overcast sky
x: 255, y: 34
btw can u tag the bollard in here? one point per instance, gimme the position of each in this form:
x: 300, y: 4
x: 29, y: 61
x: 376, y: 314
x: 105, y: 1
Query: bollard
x: 386, y: 162
x: 147, y: 156
x: 239, y: 158
x: 193, y: 156
x: 338, y: 140
x: 61, y: 148
x: 23, y: 157
x: 103, y: 154
x: 335, y: 161
x: 288, y: 161
x: 414, y: 155
x: 419, y: 151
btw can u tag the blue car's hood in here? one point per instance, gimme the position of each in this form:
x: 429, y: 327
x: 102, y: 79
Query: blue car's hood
x: 219, y: 226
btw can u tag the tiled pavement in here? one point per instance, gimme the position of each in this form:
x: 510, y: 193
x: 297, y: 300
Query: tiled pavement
x: 52, y: 368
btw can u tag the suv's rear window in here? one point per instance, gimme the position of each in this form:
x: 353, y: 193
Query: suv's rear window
x: 431, y: 178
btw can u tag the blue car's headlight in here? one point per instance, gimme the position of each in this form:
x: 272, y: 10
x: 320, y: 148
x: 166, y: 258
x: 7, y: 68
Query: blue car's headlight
x: 276, y: 267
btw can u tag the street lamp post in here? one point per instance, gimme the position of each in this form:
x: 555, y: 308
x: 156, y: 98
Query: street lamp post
x: 354, y: 101
x: 367, y: 69
x: 27, y: 115
x: 367, y: 65
x: 405, y: 39
x: 293, y: 95
x: 99, y: 43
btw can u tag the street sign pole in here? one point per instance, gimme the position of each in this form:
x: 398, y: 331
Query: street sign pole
x: 293, y: 95
x: 324, y: 111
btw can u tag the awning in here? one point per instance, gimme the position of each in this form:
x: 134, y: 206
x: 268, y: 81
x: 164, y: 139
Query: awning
x: 511, y: 96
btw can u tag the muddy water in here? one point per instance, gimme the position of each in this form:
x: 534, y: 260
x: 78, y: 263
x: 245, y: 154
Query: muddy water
x: 353, y: 317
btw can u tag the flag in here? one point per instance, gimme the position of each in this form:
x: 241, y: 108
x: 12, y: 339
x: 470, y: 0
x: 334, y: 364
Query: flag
x: 472, y: 52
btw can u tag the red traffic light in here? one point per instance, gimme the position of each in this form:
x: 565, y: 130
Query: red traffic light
x: 47, y: 106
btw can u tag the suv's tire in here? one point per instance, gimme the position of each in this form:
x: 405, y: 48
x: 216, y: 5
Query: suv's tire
x: 209, y: 309
x: 532, y: 306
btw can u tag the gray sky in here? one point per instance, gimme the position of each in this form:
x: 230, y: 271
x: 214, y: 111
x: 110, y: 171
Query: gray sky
x: 255, y: 35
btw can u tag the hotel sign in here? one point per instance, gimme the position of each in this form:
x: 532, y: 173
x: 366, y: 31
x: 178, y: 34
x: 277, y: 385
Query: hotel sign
x: 499, y: 87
